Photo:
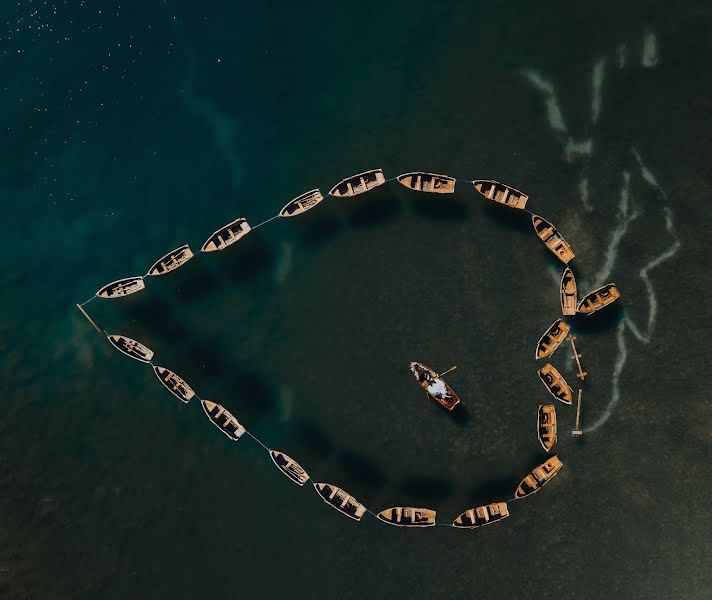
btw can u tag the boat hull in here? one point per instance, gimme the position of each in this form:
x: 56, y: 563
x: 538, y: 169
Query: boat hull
x: 289, y: 467
x: 358, y: 184
x: 174, y: 384
x: 568, y: 293
x: 122, y: 287
x: 301, y: 204
x: 223, y: 419
x: 432, y: 183
x: 171, y: 261
x: 552, y: 239
x: 435, y: 387
x: 552, y: 338
x: 482, y: 515
x: 340, y: 500
x: 539, y: 477
x: 501, y: 193
x: 132, y: 348
x: 227, y: 236
x: 406, y: 516
x: 598, y: 299
x: 546, y: 426
x: 556, y: 384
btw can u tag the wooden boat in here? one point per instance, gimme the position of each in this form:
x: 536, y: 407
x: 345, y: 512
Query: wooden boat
x: 223, y: 419
x: 553, y: 240
x: 568, y: 292
x: 122, y: 287
x: 434, y: 385
x: 482, y: 515
x: 556, y: 384
x: 493, y: 190
x: 598, y: 299
x: 171, y: 261
x: 358, y: 184
x: 340, y: 500
x: 405, y: 516
x: 552, y: 338
x: 226, y: 236
x: 174, y: 384
x: 546, y: 426
x: 420, y: 181
x: 290, y: 467
x: 539, y: 477
x: 301, y: 204
x: 132, y: 348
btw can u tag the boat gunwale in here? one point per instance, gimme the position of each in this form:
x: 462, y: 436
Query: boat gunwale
x: 232, y: 241
x: 346, y: 179
x: 403, y: 508
x: 561, y: 377
x: 155, y: 265
x: 488, y: 522
x: 437, y: 378
x: 597, y: 290
x: 131, y: 278
x: 536, y: 350
x: 540, y: 483
x: 300, y: 483
x: 555, y: 233
x: 316, y: 485
x: 447, y: 178
x: 203, y: 402
x: 563, y: 294
x: 539, y: 427
x: 509, y: 187
x: 115, y: 345
x: 315, y: 191
x: 181, y: 398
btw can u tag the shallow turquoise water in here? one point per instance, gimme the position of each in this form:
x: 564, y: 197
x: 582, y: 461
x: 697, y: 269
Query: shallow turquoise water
x: 144, y: 126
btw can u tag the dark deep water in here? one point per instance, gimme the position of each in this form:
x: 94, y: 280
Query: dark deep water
x: 130, y: 128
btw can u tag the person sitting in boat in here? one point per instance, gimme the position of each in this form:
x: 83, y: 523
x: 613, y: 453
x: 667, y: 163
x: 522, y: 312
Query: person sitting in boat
x: 438, y: 389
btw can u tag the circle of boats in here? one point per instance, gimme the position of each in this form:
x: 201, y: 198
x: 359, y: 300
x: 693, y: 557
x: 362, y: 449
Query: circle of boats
x: 431, y: 382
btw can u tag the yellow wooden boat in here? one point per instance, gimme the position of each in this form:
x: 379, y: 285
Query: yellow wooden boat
x: 122, y: 287
x: 227, y: 235
x: 420, y: 181
x: 539, y: 477
x: 482, y: 515
x: 598, y: 299
x: 553, y: 240
x: 499, y: 192
x: 290, y: 467
x: 435, y: 386
x: 556, y: 384
x: 171, y: 261
x: 568, y: 292
x: 546, y: 426
x: 552, y: 338
x: 358, y: 184
x: 174, y: 384
x: 405, y: 516
x: 223, y: 419
x: 132, y: 348
x: 301, y: 204
x: 340, y: 500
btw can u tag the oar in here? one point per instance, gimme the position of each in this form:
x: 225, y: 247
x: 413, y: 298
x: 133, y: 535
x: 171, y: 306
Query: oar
x: 446, y: 372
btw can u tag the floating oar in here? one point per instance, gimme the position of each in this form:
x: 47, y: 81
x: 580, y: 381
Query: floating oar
x: 581, y: 373
x: 89, y: 318
x: 578, y: 431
